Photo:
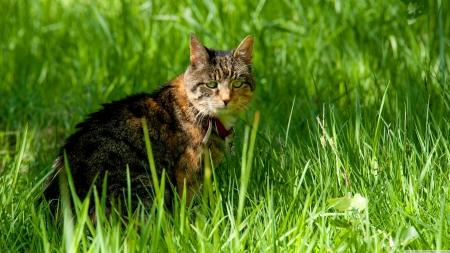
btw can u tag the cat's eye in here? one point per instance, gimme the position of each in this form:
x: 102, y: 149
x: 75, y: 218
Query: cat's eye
x: 212, y: 85
x: 237, y: 84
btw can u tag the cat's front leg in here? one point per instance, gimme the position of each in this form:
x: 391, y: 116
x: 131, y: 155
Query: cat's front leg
x: 188, y: 174
x: 190, y: 183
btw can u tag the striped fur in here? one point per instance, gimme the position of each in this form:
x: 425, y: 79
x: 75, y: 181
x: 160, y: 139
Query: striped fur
x: 177, y: 116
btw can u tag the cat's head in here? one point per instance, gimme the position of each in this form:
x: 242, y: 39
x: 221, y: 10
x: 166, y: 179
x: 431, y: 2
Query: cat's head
x: 220, y: 83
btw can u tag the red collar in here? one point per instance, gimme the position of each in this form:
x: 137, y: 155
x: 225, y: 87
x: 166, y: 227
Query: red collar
x: 223, y: 132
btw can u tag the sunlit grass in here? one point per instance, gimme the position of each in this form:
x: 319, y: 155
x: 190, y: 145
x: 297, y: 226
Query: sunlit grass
x: 350, y: 152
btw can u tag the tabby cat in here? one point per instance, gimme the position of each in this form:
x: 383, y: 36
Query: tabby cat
x: 186, y: 116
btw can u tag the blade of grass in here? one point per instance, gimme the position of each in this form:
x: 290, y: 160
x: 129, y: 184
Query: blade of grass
x: 378, y: 129
x: 150, y: 158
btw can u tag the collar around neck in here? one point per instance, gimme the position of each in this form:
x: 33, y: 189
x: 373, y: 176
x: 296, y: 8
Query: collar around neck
x: 223, y: 132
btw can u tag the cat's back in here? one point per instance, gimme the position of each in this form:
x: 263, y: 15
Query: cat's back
x: 121, y: 118
x: 129, y: 111
x: 118, y: 120
x: 113, y: 136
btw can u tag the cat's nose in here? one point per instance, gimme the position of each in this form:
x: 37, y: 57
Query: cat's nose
x: 225, y: 99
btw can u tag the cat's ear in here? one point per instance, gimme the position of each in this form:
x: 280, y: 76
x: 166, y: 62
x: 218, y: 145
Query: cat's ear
x: 245, y: 50
x: 199, y: 55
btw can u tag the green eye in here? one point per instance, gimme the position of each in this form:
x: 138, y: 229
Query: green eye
x: 237, y: 84
x: 211, y: 85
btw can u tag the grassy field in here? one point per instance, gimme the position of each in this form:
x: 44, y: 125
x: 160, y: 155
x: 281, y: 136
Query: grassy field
x: 352, y: 149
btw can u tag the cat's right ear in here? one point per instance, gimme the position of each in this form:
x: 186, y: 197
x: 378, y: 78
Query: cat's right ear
x: 199, y: 55
x: 245, y: 50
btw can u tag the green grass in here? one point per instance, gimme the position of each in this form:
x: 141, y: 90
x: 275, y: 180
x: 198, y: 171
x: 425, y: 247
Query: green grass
x: 353, y: 99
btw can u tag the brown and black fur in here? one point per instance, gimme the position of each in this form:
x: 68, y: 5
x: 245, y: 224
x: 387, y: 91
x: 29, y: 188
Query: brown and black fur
x: 177, y: 116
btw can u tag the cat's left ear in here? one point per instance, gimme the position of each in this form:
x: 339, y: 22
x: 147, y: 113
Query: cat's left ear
x: 245, y: 50
x: 199, y: 55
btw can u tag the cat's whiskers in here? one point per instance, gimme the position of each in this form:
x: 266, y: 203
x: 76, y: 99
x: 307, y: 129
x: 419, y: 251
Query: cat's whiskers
x: 241, y: 108
x: 241, y: 104
x: 199, y: 117
x: 202, y: 112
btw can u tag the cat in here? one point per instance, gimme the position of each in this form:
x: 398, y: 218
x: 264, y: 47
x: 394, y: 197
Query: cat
x: 186, y: 116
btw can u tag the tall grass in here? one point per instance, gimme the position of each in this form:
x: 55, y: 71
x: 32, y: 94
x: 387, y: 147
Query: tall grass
x: 350, y: 152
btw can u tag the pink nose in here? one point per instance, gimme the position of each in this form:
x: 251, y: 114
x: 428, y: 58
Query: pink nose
x: 225, y: 99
